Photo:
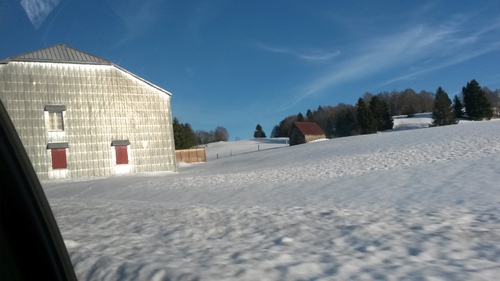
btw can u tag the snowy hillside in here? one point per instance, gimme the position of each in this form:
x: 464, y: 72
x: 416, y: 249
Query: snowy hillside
x: 221, y: 150
x: 412, y: 205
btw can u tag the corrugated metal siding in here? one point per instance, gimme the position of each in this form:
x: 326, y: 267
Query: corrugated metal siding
x: 102, y: 103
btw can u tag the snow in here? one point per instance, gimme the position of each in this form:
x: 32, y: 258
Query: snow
x: 418, y: 121
x: 413, y: 205
x: 221, y: 149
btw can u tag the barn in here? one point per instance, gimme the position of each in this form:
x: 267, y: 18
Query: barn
x: 304, y: 132
x: 79, y: 115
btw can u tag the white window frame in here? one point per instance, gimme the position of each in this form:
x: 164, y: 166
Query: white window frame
x: 54, y: 117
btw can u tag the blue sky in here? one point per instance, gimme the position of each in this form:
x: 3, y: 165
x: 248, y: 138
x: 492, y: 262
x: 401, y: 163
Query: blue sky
x: 237, y: 64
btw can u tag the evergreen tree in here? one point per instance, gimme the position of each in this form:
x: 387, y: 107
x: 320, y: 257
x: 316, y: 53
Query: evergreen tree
x: 477, y: 106
x: 189, y: 135
x: 300, y: 117
x: 346, y: 124
x: 184, y: 136
x: 367, y: 124
x: 443, y: 112
x: 259, y: 133
x: 177, y: 133
x: 457, y: 107
x: 310, y: 116
x: 275, y: 132
x: 380, y: 111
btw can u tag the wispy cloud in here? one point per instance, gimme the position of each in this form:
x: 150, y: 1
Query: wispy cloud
x: 309, y: 55
x: 417, y: 50
x: 38, y: 10
x: 138, y: 15
x: 456, y: 59
x: 455, y: 49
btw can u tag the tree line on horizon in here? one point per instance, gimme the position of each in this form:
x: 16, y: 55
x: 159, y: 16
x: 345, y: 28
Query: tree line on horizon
x: 185, y: 137
x: 373, y: 113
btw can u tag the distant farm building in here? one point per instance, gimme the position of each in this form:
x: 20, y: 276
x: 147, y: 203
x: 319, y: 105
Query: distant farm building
x: 79, y: 115
x: 303, y: 132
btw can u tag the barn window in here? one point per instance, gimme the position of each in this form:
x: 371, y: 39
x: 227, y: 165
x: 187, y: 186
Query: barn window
x: 121, y: 151
x: 58, y: 153
x: 54, y: 117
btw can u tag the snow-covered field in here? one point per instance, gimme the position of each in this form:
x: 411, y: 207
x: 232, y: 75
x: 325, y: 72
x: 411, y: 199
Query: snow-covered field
x: 405, y: 205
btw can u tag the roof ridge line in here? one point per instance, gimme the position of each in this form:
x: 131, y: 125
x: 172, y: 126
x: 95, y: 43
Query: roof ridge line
x: 59, y: 53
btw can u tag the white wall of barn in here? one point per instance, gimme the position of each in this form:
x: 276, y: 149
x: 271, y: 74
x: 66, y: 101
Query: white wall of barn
x: 103, y: 103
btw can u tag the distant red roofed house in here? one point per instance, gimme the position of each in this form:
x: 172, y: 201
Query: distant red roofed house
x: 303, y: 132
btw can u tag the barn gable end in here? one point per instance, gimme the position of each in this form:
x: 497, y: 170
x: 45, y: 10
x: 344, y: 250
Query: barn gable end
x: 109, y: 120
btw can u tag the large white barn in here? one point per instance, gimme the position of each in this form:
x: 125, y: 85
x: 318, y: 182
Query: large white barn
x: 79, y: 115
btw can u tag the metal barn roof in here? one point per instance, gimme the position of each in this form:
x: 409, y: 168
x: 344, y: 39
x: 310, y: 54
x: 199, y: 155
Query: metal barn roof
x: 59, y: 54
x: 309, y: 128
x: 64, y: 54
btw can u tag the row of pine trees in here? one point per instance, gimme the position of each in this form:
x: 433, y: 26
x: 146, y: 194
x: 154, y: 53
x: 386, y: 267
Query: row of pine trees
x: 373, y: 113
x: 475, y: 104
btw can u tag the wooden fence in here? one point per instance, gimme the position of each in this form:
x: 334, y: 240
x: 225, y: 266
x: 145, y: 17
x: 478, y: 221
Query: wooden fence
x: 194, y: 155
